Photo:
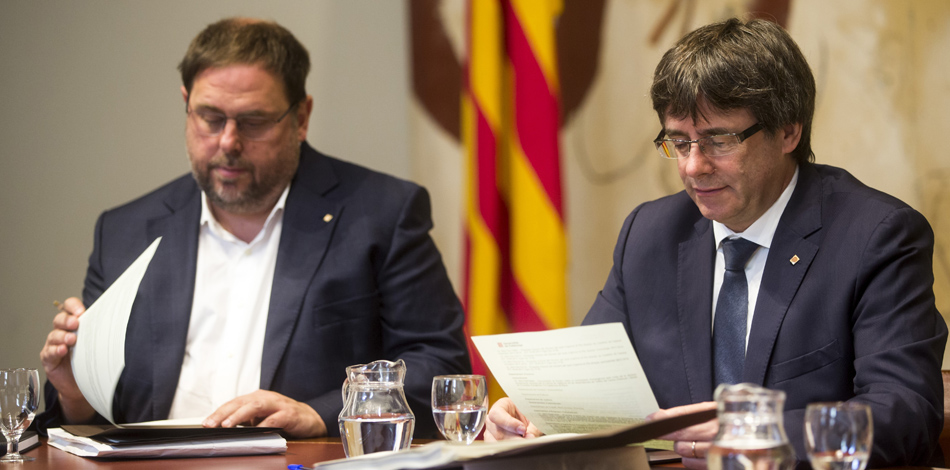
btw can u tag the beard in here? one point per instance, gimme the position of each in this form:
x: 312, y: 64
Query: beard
x: 260, y: 192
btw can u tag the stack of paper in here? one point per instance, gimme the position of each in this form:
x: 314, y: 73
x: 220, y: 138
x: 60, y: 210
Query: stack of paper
x: 28, y: 440
x: 213, y: 445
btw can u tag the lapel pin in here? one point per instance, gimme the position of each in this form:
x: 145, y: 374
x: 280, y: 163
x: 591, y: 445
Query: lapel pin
x: 328, y: 217
x: 794, y: 259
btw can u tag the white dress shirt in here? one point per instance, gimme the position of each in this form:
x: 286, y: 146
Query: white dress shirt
x: 761, y: 232
x: 228, y: 314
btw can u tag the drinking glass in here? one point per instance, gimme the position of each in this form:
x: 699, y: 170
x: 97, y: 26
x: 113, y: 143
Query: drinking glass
x: 838, y: 436
x: 19, y: 398
x: 459, y: 406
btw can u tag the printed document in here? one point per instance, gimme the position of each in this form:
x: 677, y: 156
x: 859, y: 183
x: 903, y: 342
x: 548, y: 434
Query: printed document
x: 99, y: 354
x: 571, y: 380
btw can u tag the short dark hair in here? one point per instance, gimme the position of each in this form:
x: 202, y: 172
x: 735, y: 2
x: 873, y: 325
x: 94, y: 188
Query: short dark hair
x: 253, y: 42
x: 732, y: 65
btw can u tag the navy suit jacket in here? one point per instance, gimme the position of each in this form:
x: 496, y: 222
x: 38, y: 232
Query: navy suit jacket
x: 366, y: 284
x: 853, y: 319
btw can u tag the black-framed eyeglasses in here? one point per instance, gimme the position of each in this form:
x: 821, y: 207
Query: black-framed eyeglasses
x: 252, y: 127
x: 712, y: 146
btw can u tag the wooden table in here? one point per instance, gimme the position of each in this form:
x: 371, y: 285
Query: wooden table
x: 304, y: 452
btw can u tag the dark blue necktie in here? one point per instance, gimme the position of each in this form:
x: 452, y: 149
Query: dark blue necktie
x: 731, y: 313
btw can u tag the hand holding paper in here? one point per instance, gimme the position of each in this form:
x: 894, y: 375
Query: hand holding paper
x: 506, y: 422
x: 55, y: 357
x: 692, y: 442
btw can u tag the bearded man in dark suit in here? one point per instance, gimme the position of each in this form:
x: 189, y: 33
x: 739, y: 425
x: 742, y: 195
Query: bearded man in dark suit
x: 278, y: 266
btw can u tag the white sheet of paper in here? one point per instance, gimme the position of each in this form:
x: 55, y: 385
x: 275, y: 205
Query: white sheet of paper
x: 195, y: 421
x: 571, y: 380
x: 99, y: 354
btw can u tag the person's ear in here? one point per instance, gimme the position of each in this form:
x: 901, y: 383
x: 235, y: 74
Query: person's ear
x: 791, y: 135
x: 303, y: 117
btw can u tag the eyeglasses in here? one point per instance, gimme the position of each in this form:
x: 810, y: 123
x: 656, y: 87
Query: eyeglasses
x: 713, y: 145
x: 211, y: 123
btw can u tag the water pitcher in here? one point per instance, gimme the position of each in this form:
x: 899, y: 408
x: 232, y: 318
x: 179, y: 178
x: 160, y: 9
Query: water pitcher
x: 751, y: 435
x: 376, y: 415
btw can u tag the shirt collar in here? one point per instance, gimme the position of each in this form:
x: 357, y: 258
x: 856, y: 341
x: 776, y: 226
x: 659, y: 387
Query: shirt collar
x: 207, y: 217
x: 763, y: 229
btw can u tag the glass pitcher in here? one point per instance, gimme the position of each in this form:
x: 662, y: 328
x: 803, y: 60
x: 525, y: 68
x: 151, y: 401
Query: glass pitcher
x: 751, y: 435
x: 376, y: 415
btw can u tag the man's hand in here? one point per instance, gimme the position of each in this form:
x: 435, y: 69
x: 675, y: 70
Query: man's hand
x: 693, y: 442
x: 506, y: 422
x: 269, y: 409
x: 55, y: 358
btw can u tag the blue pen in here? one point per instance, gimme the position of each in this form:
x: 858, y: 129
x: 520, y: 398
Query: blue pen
x: 297, y: 466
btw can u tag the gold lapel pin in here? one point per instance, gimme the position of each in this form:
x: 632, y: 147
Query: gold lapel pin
x: 328, y: 217
x: 794, y: 260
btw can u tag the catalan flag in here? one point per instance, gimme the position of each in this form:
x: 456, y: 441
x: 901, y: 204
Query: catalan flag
x: 515, y: 246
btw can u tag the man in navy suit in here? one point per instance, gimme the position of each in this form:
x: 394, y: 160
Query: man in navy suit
x: 838, y: 301
x: 278, y: 266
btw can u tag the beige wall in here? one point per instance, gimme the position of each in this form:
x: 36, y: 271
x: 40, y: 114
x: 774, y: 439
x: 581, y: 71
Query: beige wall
x: 91, y: 116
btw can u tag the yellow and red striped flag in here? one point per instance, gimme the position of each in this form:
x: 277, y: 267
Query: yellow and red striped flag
x: 515, y: 246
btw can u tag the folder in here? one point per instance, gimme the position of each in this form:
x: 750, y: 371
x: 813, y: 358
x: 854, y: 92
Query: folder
x: 613, y: 449
x: 153, y: 441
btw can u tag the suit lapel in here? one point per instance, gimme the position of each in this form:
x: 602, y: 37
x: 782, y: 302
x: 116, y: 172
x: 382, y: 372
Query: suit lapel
x: 789, y: 257
x: 168, y: 290
x: 694, y: 298
x: 308, y: 224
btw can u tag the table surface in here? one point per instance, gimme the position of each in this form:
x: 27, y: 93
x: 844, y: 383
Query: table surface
x: 303, y: 452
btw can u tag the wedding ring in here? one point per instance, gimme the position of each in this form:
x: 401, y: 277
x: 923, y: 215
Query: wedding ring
x: 693, y: 449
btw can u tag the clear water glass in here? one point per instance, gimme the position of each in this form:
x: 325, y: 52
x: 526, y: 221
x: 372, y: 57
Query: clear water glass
x: 19, y: 399
x: 459, y: 406
x: 838, y: 436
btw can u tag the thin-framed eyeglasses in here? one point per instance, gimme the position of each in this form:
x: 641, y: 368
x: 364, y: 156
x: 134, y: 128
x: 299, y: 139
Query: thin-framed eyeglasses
x: 713, y: 145
x: 252, y: 127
